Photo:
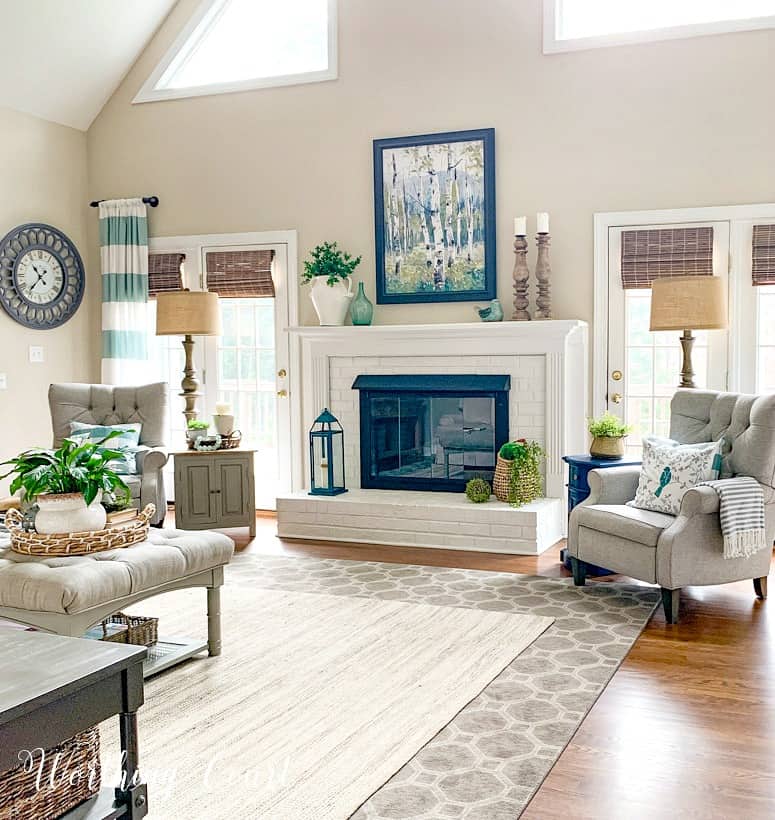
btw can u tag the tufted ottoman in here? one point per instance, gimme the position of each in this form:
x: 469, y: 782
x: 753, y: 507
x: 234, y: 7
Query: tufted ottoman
x: 68, y: 595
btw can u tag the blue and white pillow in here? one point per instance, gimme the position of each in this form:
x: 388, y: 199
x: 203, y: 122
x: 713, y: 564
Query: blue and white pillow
x: 128, y: 442
x: 670, y: 469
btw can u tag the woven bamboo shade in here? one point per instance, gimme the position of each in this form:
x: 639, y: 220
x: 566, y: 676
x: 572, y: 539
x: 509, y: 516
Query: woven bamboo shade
x: 763, y: 255
x: 240, y: 274
x: 655, y: 253
x: 164, y: 272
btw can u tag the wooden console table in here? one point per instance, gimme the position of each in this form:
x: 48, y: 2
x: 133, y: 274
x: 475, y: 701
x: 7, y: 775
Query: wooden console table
x: 53, y: 687
x: 215, y: 489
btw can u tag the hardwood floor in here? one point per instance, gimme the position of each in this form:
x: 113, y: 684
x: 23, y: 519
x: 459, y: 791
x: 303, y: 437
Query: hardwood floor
x: 686, y: 729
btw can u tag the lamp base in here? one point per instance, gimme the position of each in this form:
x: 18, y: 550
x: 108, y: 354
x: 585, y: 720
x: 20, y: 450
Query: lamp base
x: 190, y: 384
x: 687, y: 373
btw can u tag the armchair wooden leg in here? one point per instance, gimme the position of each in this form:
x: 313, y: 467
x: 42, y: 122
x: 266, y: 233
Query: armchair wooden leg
x: 579, y: 569
x: 760, y: 587
x: 671, y: 599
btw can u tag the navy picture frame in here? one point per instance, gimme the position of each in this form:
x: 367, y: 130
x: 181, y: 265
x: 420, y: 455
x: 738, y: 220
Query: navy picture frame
x: 489, y: 291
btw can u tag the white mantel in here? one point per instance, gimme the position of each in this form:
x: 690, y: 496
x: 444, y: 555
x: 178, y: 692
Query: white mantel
x: 548, y: 359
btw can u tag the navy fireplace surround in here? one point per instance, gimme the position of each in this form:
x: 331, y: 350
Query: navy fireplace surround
x: 431, y: 432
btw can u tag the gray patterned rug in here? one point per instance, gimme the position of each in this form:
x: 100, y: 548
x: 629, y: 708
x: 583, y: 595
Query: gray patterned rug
x: 490, y: 759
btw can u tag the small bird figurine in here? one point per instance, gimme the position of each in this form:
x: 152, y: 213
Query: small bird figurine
x: 492, y: 313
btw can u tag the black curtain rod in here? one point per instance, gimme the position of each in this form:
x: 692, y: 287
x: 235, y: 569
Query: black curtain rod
x: 153, y: 201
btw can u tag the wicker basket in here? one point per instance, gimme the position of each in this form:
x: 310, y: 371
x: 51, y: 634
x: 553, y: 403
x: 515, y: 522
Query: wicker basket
x: 232, y: 441
x: 77, y: 543
x: 140, y: 631
x: 77, y: 778
x: 501, y: 481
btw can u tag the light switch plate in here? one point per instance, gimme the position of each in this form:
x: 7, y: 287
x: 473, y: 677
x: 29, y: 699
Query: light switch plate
x: 3, y: 381
x: 36, y: 354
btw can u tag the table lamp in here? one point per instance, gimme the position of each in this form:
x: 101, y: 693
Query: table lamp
x: 688, y: 303
x: 188, y: 313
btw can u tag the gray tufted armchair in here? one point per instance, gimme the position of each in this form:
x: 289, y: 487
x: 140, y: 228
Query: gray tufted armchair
x: 106, y: 404
x: 687, y: 549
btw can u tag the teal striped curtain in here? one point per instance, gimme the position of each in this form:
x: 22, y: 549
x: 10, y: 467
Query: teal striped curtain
x: 124, y: 261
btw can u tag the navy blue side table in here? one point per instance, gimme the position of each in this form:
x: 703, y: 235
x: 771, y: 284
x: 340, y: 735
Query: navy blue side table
x: 578, y: 490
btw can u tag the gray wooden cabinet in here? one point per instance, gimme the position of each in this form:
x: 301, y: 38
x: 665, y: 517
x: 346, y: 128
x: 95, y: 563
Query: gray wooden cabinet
x: 215, y: 490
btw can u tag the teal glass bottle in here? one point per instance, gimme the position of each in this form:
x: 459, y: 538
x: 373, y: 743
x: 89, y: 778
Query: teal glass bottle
x: 361, y: 309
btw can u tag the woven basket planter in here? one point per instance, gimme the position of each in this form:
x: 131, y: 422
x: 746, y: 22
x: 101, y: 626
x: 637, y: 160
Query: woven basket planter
x: 140, y: 630
x: 501, y: 481
x: 20, y: 799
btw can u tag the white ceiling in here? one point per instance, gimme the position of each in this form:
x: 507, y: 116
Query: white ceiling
x: 62, y: 59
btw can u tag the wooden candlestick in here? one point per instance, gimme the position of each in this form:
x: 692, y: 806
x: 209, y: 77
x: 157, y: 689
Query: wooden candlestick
x: 521, y: 276
x: 543, y: 275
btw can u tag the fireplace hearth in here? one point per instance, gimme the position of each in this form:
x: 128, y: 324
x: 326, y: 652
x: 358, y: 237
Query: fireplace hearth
x: 430, y: 432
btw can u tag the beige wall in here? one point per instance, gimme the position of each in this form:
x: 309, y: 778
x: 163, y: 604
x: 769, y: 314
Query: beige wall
x: 43, y: 173
x: 671, y: 124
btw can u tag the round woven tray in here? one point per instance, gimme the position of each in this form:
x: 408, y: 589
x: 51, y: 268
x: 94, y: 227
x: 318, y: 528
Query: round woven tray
x: 77, y: 543
x: 231, y: 442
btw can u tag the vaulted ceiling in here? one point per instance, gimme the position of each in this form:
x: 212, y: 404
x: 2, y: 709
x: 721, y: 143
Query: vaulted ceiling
x: 62, y: 59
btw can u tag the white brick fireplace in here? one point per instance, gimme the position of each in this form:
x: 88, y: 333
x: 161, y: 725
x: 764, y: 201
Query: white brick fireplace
x: 547, y: 363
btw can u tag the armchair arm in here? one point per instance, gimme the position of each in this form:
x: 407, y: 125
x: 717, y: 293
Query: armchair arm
x: 699, y: 501
x: 150, y: 460
x: 615, y: 485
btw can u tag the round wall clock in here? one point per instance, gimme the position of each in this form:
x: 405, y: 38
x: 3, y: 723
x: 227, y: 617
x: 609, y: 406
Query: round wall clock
x: 41, y: 276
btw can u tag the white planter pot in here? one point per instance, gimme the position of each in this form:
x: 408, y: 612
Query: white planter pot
x: 331, y: 301
x: 69, y: 513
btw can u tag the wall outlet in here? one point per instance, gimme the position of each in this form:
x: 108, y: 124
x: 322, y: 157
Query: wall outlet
x: 36, y: 354
x: 3, y: 381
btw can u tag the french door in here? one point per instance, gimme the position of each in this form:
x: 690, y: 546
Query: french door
x: 643, y: 367
x: 247, y: 366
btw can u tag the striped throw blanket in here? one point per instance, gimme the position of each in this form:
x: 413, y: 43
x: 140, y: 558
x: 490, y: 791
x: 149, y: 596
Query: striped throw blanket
x: 741, y: 515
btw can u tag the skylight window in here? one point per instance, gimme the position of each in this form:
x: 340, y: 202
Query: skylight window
x: 234, y: 45
x: 576, y: 24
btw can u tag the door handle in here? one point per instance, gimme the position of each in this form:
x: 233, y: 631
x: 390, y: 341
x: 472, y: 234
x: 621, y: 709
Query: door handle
x: 616, y: 375
x: 282, y: 393
x: 616, y: 398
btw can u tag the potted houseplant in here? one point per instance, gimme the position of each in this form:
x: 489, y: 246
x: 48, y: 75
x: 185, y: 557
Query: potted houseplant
x: 195, y: 429
x: 67, y: 484
x: 608, y: 433
x: 329, y: 271
x: 517, y: 477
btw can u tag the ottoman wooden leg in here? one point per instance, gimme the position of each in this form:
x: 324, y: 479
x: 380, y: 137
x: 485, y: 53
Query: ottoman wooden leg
x: 213, y: 621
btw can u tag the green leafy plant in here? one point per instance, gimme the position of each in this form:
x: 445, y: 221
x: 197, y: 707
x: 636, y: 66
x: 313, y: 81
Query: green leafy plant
x: 197, y: 424
x: 525, y: 482
x: 327, y: 260
x: 478, y: 490
x: 608, y: 426
x: 74, y: 467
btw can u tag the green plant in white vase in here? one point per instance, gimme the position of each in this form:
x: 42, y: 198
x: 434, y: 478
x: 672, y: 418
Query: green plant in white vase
x: 608, y: 433
x: 68, y: 483
x: 329, y: 270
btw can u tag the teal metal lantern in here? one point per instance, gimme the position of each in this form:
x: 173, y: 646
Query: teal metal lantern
x: 326, y: 456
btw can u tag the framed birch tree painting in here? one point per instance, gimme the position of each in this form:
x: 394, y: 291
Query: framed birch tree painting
x: 434, y: 211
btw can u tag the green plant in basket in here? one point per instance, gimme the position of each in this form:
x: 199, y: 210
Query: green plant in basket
x: 608, y: 426
x: 74, y: 467
x: 525, y: 481
x: 197, y: 424
x: 478, y: 490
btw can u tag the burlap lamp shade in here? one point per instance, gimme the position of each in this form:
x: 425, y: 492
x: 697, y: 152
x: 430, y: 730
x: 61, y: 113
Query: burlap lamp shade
x: 688, y: 303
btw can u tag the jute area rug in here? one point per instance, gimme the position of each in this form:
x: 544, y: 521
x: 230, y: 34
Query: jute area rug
x: 484, y: 764
x: 316, y: 701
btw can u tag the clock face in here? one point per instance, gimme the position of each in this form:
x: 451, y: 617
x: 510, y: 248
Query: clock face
x: 41, y: 276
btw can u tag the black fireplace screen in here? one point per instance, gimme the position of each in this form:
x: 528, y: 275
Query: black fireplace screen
x: 430, y: 432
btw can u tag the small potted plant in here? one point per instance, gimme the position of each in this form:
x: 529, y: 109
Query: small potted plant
x: 67, y: 484
x: 608, y: 433
x: 196, y: 428
x: 329, y: 271
x: 517, y: 477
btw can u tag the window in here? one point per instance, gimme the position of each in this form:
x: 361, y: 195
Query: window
x: 578, y: 24
x: 234, y: 45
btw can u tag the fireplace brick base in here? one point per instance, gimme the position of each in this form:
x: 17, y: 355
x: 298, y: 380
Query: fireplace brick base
x: 422, y: 519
